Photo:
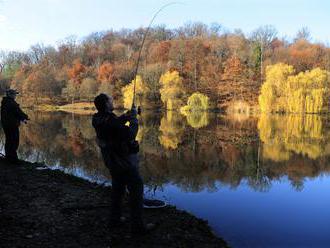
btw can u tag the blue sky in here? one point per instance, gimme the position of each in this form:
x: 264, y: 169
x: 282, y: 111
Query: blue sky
x: 26, y: 22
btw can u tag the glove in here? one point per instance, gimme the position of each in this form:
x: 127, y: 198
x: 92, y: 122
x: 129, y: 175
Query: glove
x: 134, y: 112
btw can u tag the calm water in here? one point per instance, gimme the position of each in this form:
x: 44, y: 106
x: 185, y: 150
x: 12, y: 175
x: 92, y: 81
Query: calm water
x: 260, y: 182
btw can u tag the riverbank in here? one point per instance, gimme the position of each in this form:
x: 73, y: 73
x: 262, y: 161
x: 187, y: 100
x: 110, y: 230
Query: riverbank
x: 46, y: 208
x: 87, y: 108
x: 80, y: 108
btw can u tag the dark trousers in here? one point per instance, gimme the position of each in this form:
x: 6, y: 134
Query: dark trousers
x: 12, y: 142
x: 122, y: 179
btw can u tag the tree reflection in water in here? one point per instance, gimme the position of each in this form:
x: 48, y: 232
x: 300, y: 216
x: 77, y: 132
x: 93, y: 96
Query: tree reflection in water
x: 194, y: 157
x: 284, y: 136
x: 197, y: 119
x: 171, y: 128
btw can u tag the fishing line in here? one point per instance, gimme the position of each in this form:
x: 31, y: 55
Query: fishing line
x: 143, y: 41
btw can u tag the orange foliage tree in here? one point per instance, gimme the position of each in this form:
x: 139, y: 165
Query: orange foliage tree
x: 76, y: 75
x: 306, y: 56
x: 234, y: 69
x: 77, y: 72
x: 106, y: 73
x: 160, y: 51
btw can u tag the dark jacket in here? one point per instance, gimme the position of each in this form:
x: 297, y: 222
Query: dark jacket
x: 114, y: 135
x: 11, y: 113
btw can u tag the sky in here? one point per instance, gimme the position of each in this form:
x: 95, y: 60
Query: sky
x: 27, y: 22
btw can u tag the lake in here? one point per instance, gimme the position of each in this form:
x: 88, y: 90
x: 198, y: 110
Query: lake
x: 259, y: 181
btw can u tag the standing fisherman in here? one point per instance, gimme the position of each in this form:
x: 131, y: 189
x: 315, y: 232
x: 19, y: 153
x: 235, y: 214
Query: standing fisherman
x: 119, y: 150
x: 11, y: 118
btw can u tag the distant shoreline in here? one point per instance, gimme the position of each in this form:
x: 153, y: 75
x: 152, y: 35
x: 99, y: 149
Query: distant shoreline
x: 89, y: 108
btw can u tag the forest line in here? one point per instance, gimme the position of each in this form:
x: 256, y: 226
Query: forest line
x: 223, y: 67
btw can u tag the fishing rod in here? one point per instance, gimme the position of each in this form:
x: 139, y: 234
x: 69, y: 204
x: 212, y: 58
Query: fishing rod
x: 142, y: 44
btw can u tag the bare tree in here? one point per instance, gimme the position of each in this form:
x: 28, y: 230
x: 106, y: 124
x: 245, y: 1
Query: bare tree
x: 303, y: 34
x: 36, y: 53
x: 263, y: 37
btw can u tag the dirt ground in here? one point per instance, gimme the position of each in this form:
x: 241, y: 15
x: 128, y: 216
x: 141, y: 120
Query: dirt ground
x: 45, y: 208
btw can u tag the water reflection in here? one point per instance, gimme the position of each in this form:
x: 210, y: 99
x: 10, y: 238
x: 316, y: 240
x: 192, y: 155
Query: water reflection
x: 197, y: 119
x: 202, y: 160
x: 227, y: 151
x: 171, y: 129
x: 284, y: 136
x: 65, y: 140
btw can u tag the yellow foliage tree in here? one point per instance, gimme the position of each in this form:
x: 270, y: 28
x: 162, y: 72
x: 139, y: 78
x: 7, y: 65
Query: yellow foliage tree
x: 285, y: 92
x: 273, y: 89
x: 196, y: 110
x: 172, y: 91
x: 141, y: 90
x: 307, y: 91
x: 197, y: 102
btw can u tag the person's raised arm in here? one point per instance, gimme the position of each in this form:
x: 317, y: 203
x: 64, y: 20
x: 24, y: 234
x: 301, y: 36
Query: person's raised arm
x: 18, y: 112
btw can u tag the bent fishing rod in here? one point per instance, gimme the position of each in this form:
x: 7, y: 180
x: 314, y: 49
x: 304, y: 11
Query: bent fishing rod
x: 142, y: 44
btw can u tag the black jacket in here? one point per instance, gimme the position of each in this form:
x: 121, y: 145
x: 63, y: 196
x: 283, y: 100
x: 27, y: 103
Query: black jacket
x: 11, y: 113
x: 114, y: 135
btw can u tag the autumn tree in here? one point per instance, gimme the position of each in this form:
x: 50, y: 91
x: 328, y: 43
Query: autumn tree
x: 303, y: 34
x: 67, y: 51
x: 234, y: 69
x: 212, y: 67
x: 159, y: 52
x: 36, y: 53
x: 105, y: 73
x: 172, y: 91
x: 283, y: 91
x: 196, y: 110
x: 76, y: 74
x: 120, y: 52
x: 40, y: 82
x: 140, y: 92
x: 262, y: 38
x: 177, y: 56
x: 272, y: 97
x: 305, y: 56
x: 308, y: 91
x: 19, y: 77
x: 88, y: 89
x: 151, y: 75
x: 196, y: 50
x: 197, y: 102
x: 218, y: 63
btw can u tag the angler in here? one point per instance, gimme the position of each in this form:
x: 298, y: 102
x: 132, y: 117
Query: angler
x: 11, y: 118
x: 119, y: 150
